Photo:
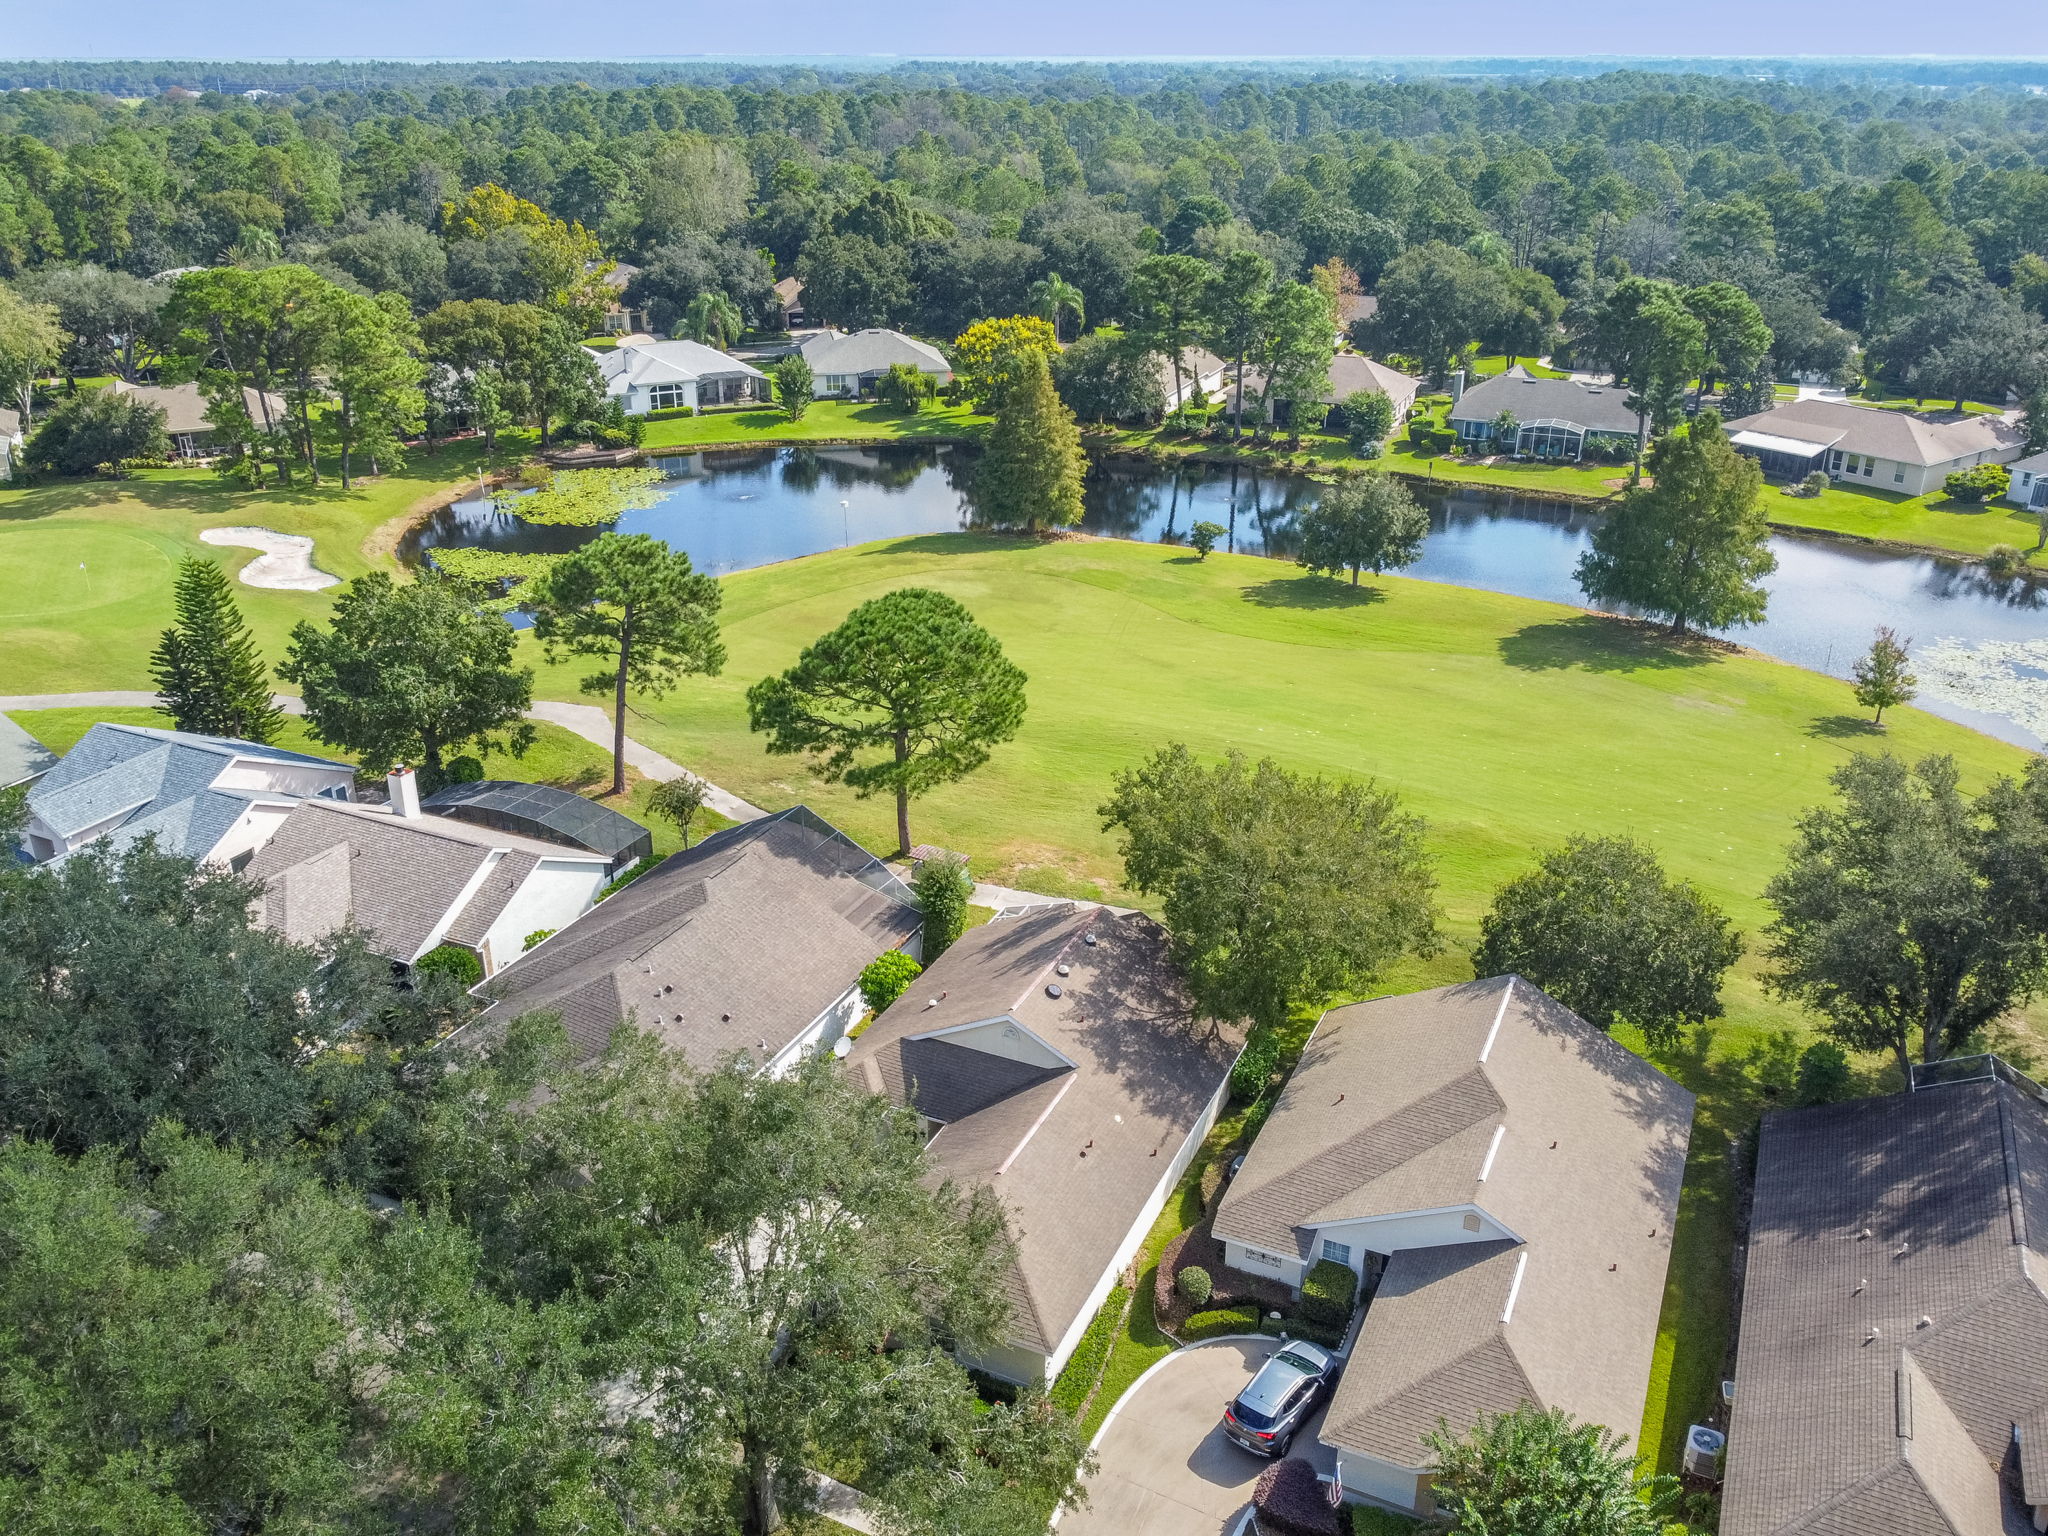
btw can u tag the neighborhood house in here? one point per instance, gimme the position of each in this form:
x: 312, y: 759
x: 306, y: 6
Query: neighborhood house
x: 1864, y: 445
x: 209, y: 798
x: 676, y: 375
x: 186, y: 422
x: 1553, y: 418
x: 1503, y: 1178
x: 412, y: 882
x: 1892, y: 1372
x: 11, y: 439
x: 2029, y: 487
x: 546, y: 814
x: 1350, y: 374
x: 843, y: 366
x: 1054, y: 1058
x: 750, y: 944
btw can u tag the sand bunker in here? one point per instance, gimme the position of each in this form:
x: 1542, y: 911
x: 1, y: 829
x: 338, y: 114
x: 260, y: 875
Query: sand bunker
x: 286, y: 560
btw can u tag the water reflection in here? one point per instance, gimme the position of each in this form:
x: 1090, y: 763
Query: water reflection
x: 732, y: 509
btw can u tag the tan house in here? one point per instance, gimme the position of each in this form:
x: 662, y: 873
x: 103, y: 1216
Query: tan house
x: 1863, y: 445
x: 185, y: 418
x: 1506, y: 1177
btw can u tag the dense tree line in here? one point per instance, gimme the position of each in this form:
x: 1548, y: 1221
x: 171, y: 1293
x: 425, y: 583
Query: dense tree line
x: 1912, y: 221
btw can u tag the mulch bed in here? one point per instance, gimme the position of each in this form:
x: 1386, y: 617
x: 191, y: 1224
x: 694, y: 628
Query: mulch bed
x: 1198, y: 1247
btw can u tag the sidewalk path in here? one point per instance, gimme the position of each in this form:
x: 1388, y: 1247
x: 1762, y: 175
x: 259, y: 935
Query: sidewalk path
x: 585, y: 720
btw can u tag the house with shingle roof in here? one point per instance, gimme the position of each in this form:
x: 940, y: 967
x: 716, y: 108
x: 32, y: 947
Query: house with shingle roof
x: 1899, y: 451
x: 412, y: 882
x: 844, y: 365
x: 749, y: 944
x: 653, y: 375
x: 186, y: 421
x: 1503, y: 1178
x: 1892, y: 1372
x: 2029, y: 486
x: 1054, y: 1057
x: 23, y: 759
x: 210, y: 798
x: 11, y: 439
x: 1555, y: 418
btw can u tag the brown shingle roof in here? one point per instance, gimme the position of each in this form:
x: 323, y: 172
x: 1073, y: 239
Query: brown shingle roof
x: 1400, y: 1105
x: 184, y: 407
x: 747, y: 937
x: 1127, y: 1071
x: 1900, y: 436
x: 399, y: 878
x: 1947, y: 1182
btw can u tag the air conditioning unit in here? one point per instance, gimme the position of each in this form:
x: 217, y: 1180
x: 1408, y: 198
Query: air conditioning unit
x: 1703, y: 1447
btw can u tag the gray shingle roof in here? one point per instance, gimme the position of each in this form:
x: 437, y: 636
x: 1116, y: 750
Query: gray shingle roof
x: 1073, y: 1142
x: 399, y: 878
x: 1487, y: 1094
x: 747, y: 937
x: 671, y: 362
x: 871, y: 351
x: 1899, y: 436
x: 1351, y: 372
x: 157, y: 781
x: 1951, y: 1184
x: 22, y: 757
x: 1596, y: 407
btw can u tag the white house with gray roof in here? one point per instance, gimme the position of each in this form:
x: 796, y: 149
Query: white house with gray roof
x: 844, y: 365
x: 412, y: 881
x: 1507, y: 1177
x: 648, y: 376
x: 1555, y: 418
x: 1899, y: 451
x: 210, y: 798
x: 2029, y: 487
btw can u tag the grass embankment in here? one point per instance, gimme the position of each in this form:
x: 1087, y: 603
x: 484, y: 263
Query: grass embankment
x: 557, y: 756
x: 1507, y: 723
x: 1936, y: 522
x: 824, y: 421
x: 90, y: 562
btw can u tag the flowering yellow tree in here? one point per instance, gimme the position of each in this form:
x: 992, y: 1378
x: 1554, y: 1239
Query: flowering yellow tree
x: 989, y: 355
x: 563, y: 260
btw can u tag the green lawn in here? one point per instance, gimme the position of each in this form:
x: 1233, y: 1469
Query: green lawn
x: 1934, y: 522
x: 90, y: 562
x: 825, y: 420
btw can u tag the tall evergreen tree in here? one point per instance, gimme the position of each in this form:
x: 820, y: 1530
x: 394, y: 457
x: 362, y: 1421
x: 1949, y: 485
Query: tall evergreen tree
x: 209, y: 676
x: 1694, y: 548
x: 1030, y: 473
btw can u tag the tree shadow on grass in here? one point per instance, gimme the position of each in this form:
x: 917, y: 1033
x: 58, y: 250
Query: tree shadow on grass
x: 1311, y: 592
x: 1843, y: 727
x: 1603, y: 643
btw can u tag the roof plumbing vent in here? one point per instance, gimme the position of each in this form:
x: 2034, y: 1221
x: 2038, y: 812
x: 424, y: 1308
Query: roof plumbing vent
x: 1063, y: 969
x: 1088, y: 938
x: 1052, y: 989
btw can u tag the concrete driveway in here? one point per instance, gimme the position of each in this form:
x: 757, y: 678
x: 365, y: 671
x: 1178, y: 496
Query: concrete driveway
x: 1167, y: 1469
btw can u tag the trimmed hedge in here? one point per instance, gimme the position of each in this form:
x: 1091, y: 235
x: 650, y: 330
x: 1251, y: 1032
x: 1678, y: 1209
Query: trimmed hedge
x: 628, y: 877
x: 1084, y: 1366
x: 1328, y: 1294
x: 1299, y: 1327
x: 451, y: 960
x: 1291, y: 1502
x: 1218, y: 1324
x: 1195, y: 1284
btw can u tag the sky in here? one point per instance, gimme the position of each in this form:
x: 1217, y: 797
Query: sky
x: 1327, y: 29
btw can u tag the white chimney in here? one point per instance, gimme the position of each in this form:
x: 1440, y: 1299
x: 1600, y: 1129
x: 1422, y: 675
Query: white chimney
x: 1457, y: 385
x: 404, y: 790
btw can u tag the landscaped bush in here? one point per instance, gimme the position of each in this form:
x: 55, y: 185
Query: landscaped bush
x: 538, y: 936
x: 1823, y: 1074
x: 1211, y: 1184
x: 1220, y: 1323
x: 944, y: 890
x: 1084, y: 1365
x: 1194, y: 1284
x: 462, y: 770
x: 628, y: 877
x: 672, y: 413
x: 1814, y: 483
x: 1328, y: 1293
x: 1255, y: 1066
x: 1971, y: 486
x: 1292, y: 1501
x: 1298, y: 1326
x: 451, y: 960
x: 887, y: 977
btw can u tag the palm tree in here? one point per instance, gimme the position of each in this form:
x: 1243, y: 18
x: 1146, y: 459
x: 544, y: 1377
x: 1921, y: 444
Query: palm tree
x: 1053, y: 296
x: 713, y: 319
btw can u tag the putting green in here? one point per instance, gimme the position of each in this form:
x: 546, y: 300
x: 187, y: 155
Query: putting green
x: 53, y: 570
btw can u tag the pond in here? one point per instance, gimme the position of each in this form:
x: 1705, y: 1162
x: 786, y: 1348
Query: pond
x: 1981, y: 644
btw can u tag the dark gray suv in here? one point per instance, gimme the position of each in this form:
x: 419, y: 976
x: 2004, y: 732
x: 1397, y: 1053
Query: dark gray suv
x: 1265, y: 1417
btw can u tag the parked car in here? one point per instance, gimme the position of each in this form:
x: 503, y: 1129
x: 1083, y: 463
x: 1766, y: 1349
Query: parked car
x: 1265, y: 1417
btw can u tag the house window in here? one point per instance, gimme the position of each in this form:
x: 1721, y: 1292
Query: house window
x: 1899, y: 475
x: 1337, y: 1253
x: 1835, y: 460
x: 667, y: 397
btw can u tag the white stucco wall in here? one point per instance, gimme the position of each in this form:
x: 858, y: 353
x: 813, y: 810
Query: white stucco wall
x: 557, y: 893
x: 1287, y: 1268
x: 252, y: 829
x: 1003, y: 1037
x: 820, y: 1033
x: 2024, y: 483
x: 1367, y: 1478
x: 1414, y: 1229
x: 286, y: 778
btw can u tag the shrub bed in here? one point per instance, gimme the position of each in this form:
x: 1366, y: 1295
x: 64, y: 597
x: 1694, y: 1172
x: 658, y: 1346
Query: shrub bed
x: 1219, y: 1323
x: 1070, y: 1393
x: 1328, y: 1293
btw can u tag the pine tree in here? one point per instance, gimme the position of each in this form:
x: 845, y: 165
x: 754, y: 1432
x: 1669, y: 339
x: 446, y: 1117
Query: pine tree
x: 209, y: 675
x: 1030, y: 474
